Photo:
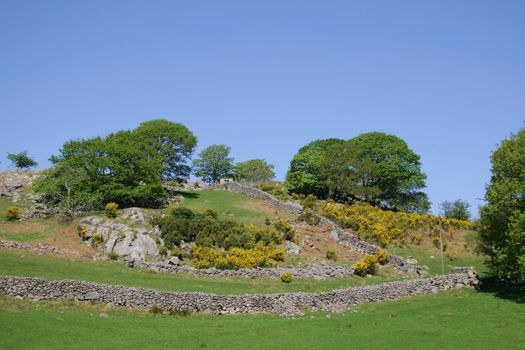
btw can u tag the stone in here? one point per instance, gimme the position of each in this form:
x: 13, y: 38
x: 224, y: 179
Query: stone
x: 292, y: 248
x: 174, y: 261
x: 411, y: 260
x: 91, y: 296
x: 103, y: 315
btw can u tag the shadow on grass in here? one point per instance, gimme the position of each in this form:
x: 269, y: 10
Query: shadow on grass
x: 187, y: 194
x: 502, y: 290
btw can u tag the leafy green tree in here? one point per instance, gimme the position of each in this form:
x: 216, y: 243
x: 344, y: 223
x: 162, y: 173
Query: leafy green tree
x: 396, y: 171
x: 502, y: 219
x: 22, y: 160
x: 457, y: 209
x: 214, y: 163
x: 306, y: 174
x: 174, y: 142
x: 254, y: 171
x: 121, y: 168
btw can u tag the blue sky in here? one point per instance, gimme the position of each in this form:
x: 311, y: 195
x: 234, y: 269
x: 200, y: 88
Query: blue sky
x: 267, y: 77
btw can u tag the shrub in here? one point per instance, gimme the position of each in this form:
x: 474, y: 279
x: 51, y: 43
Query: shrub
x: 310, y: 217
x: 13, y: 213
x: 111, y: 209
x: 367, y: 266
x: 210, y: 213
x: 286, y: 277
x: 331, y: 255
x: 113, y: 256
x: 97, y: 239
x: 163, y: 251
x: 156, y: 310
x: 382, y: 257
x: 82, y: 231
x: 309, y: 201
x: 182, y: 212
x: 285, y: 228
x: 452, y: 255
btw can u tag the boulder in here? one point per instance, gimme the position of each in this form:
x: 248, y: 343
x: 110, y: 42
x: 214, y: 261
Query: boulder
x: 292, y: 248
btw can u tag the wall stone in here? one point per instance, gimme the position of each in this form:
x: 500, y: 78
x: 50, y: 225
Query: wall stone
x: 283, y: 303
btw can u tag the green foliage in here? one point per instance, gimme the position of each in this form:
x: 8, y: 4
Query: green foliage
x: 213, y: 163
x: 97, y: 239
x: 82, y: 231
x: 13, y: 213
x: 286, y: 277
x: 382, y: 257
x: 113, y: 256
x: 306, y: 175
x: 22, y: 160
x: 163, y: 251
x: 254, y: 171
x: 374, y: 167
x: 285, y: 229
x: 111, y: 210
x: 276, y: 189
x: 457, y: 209
x: 126, y: 167
x: 366, y: 266
x: 210, y: 213
x: 503, y: 218
x: 173, y: 142
x: 310, y: 217
x: 331, y: 254
x: 182, y: 212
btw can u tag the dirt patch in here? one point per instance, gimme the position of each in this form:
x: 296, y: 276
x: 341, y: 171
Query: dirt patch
x: 261, y: 206
x: 23, y: 227
x: 315, y: 242
x: 67, y: 238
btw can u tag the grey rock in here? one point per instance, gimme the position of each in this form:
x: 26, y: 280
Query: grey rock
x: 91, y: 296
x: 292, y: 248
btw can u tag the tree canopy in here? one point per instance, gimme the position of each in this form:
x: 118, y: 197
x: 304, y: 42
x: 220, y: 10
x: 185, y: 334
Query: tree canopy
x: 373, y: 167
x: 173, y: 142
x: 126, y: 167
x: 253, y: 171
x: 213, y: 163
x: 457, y: 209
x: 22, y: 160
x: 503, y: 217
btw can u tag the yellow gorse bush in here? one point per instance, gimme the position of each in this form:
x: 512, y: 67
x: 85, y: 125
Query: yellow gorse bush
x: 384, y: 226
x: 260, y: 255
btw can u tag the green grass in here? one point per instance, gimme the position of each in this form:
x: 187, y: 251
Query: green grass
x: 21, y: 236
x: 23, y: 263
x: 456, y: 319
x: 228, y: 205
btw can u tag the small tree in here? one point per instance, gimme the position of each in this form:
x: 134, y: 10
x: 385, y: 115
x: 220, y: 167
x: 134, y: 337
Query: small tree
x: 214, y: 163
x: 253, y: 171
x: 22, y: 160
x: 457, y: 209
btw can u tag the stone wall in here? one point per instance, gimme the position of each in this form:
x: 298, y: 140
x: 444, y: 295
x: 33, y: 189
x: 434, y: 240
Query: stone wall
x: 288, y: 207
x: 284, y: 303
x: 338, y: 234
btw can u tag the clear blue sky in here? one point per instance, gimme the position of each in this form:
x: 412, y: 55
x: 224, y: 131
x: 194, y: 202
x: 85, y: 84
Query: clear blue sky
x: 266, y: 77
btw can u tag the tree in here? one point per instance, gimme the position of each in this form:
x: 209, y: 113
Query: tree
x: 173, y: 142
x: 502, y: 219
x: 213, y: 163
x: 305, y: 175
x: 457, y: 209
x: 396, y: 171
x: 253, y: 171
x: 22, y: 160
x: 122, y: 167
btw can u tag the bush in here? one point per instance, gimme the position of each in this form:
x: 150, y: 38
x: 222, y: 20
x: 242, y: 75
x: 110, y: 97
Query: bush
x: 286, y: 277
x: 310, y: 217
x: 210, y: 213
x: 97, y: 239
x: 82, y: 231
x: 182, y: 212
x: 382, y: 257
x: 13, y: 213
x: 163, y: 251
x: 111, y: 209
x: 285, y: 228
x: 367, y: 266
x: 156, y: 310
x: 235, y: 258
x: 309, y: 201
x: 331, y: 255
x: 113, y: 256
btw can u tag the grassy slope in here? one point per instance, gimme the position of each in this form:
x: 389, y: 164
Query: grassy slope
x: 228, y: 205
x: 449, y: 320
x: 23, y: 263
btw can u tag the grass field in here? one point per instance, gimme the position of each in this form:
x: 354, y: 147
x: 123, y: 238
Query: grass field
x: 456, y: 319
x: 23, y: 263
x: 229, y: 205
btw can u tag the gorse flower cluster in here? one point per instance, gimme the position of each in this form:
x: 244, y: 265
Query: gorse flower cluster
x: 384, y: 227
x: 260, y: 255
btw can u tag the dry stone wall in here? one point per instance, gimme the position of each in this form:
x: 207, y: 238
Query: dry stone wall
x: 338, y: 234
x: 284, y: 303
